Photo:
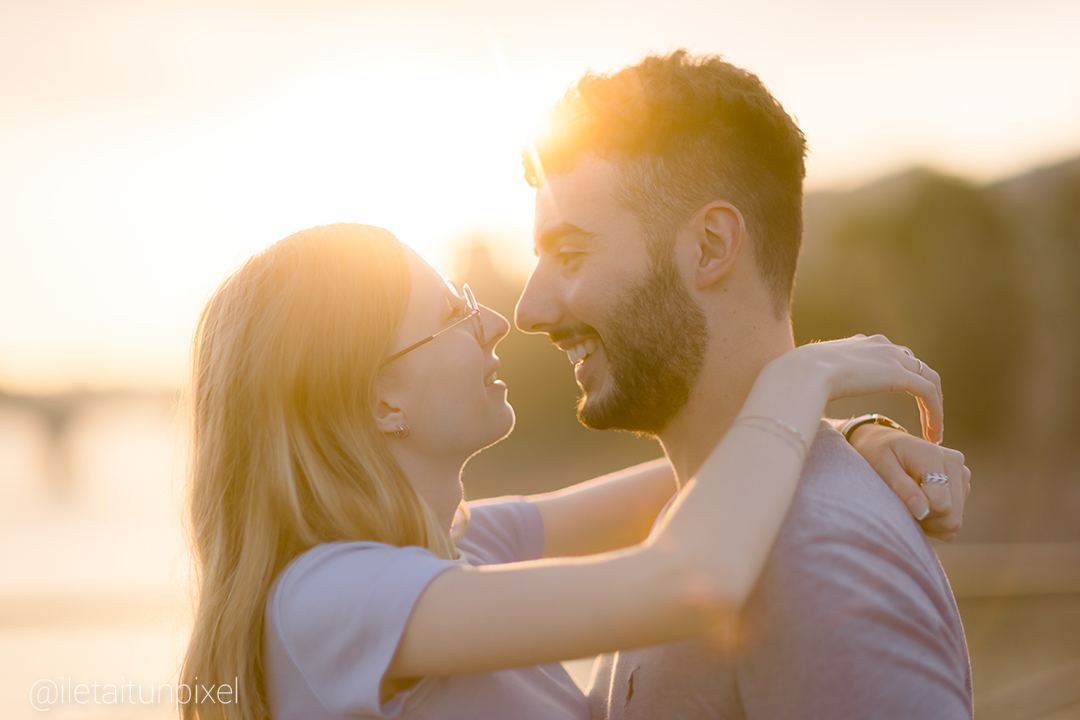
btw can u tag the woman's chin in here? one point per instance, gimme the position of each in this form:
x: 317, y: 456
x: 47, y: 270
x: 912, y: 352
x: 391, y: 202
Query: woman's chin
x: 502, y: 430
x: 508, y: 423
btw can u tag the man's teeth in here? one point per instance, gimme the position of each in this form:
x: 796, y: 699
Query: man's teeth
x: 490, y: 379
x: 582, y: 350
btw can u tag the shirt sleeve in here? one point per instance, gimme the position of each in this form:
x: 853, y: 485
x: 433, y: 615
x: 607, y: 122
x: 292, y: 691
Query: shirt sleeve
x: 850, y: 630
x: 502, y: 530
x: 339, y: 613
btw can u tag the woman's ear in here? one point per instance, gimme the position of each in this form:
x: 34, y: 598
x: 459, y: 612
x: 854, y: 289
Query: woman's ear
x: 389, y: 415
x: 388, y: 418
x: 721, y: 234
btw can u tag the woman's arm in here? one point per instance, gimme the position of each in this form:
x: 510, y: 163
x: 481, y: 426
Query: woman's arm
x: 606, y: 513
x: 694, y: 572
x: 618, y: 510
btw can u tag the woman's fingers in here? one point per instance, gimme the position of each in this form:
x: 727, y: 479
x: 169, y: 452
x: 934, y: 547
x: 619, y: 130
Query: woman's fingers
x: 927, y: 391
x: 921, y: 381
x: 860, y: 366
x: 930, y: 403
x: 938, y: 494
x: 932, y: 481
x: 937, y: 427
x: 943, y: 487
x: 945, y: 525
x: 931, y: 408
x: 906, y: 488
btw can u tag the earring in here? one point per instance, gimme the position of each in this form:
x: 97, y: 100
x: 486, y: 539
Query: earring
x: 402, y: 430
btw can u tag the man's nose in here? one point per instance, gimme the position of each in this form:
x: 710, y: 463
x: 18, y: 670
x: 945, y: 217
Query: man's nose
x: 537, y: 309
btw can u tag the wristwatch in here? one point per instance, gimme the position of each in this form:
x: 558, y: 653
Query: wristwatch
x: 849, y: 427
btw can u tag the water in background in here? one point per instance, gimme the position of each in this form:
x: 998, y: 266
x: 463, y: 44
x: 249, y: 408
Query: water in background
x: 95, y: 571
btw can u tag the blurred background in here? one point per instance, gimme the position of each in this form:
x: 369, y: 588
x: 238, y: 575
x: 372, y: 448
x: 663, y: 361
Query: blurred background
x: 148, y: 148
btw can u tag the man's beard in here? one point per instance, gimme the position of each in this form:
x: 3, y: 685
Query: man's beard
x: 655, y: 345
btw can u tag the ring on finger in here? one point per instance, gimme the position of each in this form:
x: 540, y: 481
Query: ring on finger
x: 935, y: 478
x: 921, y: 366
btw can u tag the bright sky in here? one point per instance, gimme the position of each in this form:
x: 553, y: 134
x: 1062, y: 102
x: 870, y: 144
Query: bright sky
x: 147, y: 148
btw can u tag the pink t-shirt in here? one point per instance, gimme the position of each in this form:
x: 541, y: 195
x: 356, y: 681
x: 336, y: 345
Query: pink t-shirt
x: 336, y: 614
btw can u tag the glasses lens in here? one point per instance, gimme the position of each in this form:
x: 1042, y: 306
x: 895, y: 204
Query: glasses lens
x: 478, y: 323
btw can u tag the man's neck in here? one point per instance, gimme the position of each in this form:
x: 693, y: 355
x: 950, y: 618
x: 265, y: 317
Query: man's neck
x: 730, y: 369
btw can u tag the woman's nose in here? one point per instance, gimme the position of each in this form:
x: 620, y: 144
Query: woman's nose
x: 496, y: 326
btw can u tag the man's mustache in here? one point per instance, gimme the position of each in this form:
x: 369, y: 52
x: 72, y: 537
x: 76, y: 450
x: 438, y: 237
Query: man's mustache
x: 559, y: 334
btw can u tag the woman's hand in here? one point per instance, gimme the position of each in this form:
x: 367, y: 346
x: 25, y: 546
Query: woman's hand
x: 900, y: 458
x: 861, y: 365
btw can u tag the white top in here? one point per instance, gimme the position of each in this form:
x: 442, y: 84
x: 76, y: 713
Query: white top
x: 336, y: 614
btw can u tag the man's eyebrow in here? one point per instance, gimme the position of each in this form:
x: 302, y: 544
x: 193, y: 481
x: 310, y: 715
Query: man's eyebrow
x: 549, y: 238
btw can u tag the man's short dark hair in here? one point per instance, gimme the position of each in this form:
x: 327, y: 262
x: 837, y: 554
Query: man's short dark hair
x: 685, y: 131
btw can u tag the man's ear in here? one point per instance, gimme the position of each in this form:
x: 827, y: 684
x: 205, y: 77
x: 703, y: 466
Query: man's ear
x: 720, y: 236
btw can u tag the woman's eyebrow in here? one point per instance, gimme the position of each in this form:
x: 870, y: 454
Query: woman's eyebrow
x: 450, y: 303
x: 450, y: 298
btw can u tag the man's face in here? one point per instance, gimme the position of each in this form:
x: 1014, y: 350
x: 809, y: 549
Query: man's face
x: 626, y: 321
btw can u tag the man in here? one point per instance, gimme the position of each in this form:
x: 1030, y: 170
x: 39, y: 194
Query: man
x: 668, y: 225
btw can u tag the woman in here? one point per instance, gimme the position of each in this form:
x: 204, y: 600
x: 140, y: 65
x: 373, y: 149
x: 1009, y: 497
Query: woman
x: 339, y: 387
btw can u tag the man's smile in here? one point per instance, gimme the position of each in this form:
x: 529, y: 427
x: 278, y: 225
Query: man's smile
x: 579, y: 349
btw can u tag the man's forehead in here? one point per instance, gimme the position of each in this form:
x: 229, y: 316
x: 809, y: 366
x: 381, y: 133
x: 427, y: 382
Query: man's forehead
x: 582, y: 196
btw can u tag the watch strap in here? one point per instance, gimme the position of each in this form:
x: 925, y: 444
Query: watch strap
x: 855, y: 422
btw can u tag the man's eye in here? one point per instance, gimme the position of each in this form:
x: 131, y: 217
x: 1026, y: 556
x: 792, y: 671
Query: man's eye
x: 458, y: 311
x: 568, y: 253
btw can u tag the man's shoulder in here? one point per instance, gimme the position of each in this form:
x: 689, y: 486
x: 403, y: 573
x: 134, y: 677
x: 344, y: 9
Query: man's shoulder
x: 851, y: 612
x: 849, y: 538
x: 842, y: 500
x: 852, y: 578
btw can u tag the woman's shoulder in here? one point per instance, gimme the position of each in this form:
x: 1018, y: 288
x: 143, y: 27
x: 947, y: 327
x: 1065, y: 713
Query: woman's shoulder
x: 502, y: 530
x: 352, y: 562
x: 335, y: 617
x: 341, y: 581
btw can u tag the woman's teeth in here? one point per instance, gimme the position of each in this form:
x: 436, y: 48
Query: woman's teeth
x: 490, y: 379
x: 582, y: 350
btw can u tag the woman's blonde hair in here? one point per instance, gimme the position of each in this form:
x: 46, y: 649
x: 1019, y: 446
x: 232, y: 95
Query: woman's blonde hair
x: 285, y: 450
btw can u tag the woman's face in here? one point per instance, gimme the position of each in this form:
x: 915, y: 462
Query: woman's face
x: 447, y: 388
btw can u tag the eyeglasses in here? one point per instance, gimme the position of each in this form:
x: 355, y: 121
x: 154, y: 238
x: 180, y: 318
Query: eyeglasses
x: 472, y: 314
